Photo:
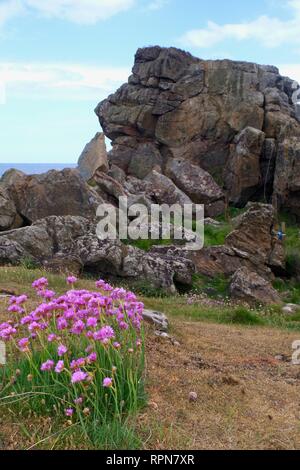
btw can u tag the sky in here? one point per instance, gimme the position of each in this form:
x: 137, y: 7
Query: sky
x: 59, y: 58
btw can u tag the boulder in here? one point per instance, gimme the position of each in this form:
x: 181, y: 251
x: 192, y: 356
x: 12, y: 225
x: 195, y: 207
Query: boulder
x: 255, y: 237
x: 93, y: 157
x: 52, y: 193
x: 9, y: 217
x: 197, y: 184
x: 164, y: 191
x: 158, y: 319
x: 250, y: 287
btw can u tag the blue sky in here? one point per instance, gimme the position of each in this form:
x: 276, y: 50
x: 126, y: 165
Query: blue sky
x: 59, y: 58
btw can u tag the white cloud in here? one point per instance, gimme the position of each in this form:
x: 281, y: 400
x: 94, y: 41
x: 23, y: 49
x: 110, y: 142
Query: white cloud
x: 157, y: 4
x: 290, y: 70
x: 76, y: 11
x: 60, y: 81
x: 269, y: 31
x: 80, y: 11
x: 9, y: 9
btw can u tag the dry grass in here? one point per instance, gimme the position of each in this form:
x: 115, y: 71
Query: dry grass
x: 246, y: 398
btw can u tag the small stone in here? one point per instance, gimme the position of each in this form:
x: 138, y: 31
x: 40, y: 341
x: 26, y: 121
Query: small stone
x: 193, y: 396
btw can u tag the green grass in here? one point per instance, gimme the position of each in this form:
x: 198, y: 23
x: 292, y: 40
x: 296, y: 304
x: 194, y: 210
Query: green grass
x: 178, y: 307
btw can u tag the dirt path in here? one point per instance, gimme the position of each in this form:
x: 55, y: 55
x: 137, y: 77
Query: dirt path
x: 247, y: 399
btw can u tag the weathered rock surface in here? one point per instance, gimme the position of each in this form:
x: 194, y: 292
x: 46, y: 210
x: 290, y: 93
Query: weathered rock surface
x: 67, y: 243
x: 9, y: 217
x: 164, y: 191
x: 249, y: 286
x: 158, y: 319
x: 93, y: 157
x: 256, y: 237
x: 243, y: 169
x: 197, y: 184
x: 234, y: 120
x: 53, y: 193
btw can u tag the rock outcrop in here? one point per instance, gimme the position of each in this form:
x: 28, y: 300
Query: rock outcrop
x: 236, y: 121
x: 93, y: 157
x: 250, y: 287
x: 70, y: 243
x: 53, y: 193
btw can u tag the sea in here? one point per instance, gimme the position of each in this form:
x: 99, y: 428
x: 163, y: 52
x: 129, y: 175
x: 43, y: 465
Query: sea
x: 34, y: 168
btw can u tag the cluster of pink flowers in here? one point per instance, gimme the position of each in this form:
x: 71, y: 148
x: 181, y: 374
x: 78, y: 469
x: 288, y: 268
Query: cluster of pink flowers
x: 79, y: 320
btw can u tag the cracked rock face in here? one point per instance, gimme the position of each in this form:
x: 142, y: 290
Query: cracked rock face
x: 234, y: 120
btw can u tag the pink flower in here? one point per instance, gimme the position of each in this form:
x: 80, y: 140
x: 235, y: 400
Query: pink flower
x: 48, y: 365
x: 15, y: 309
x: 69, y: 412
x: 91, y: 322
x: 23, y: 344
x: 46, y: 294
x: 78, y: 376
x: 107, y: 382
x: 116, y: 345
x: 59, y: 367
x: 62, y: 324
x: 105, y: 334
x: 61, y: 350
x: 52, y: 337
x: 71, y: 279
x: 92, y: 358
x: 78, y: 401
x: 78, y: 327
x: 40, y: 283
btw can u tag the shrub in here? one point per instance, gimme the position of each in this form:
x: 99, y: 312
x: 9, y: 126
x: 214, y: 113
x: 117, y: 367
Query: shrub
x: 78, y: 355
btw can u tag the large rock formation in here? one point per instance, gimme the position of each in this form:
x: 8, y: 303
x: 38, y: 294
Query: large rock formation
x: 93, y: 157
x: 233, y: 120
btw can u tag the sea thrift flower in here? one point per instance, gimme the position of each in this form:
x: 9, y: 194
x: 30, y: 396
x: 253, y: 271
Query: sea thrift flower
x: 46, y: 294
x: 62, y: 324
x: 23, y: 344
x: 92, y: 358
x: 78, y: 401
x: 78, y: 376
x: 52, y: 337
x: 105, y: 334
x: 69, y: 412
x: 15, y: 309
x: 91, y: 322
x: 78, y: 327
x: 71, y: 279
x: 59, y: 367
x: 116, y: 345
x: 61, y: 350
x: 107, y: 382
x: 48, y: 365
x: 40, y: 283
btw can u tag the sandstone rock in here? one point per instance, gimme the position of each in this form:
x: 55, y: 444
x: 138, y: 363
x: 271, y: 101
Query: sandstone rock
x: 53, y: 193
x: 164, y: 191
x: 93, y: 157
x: 290, y: 309
x: 158, y: 319
x: 197, y: 184
x: 249, y: 286
x: 214, y: 114
x: 11, y: 176
x: 255, y: 237
x: 243, y: 170
x: 9, y: 217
